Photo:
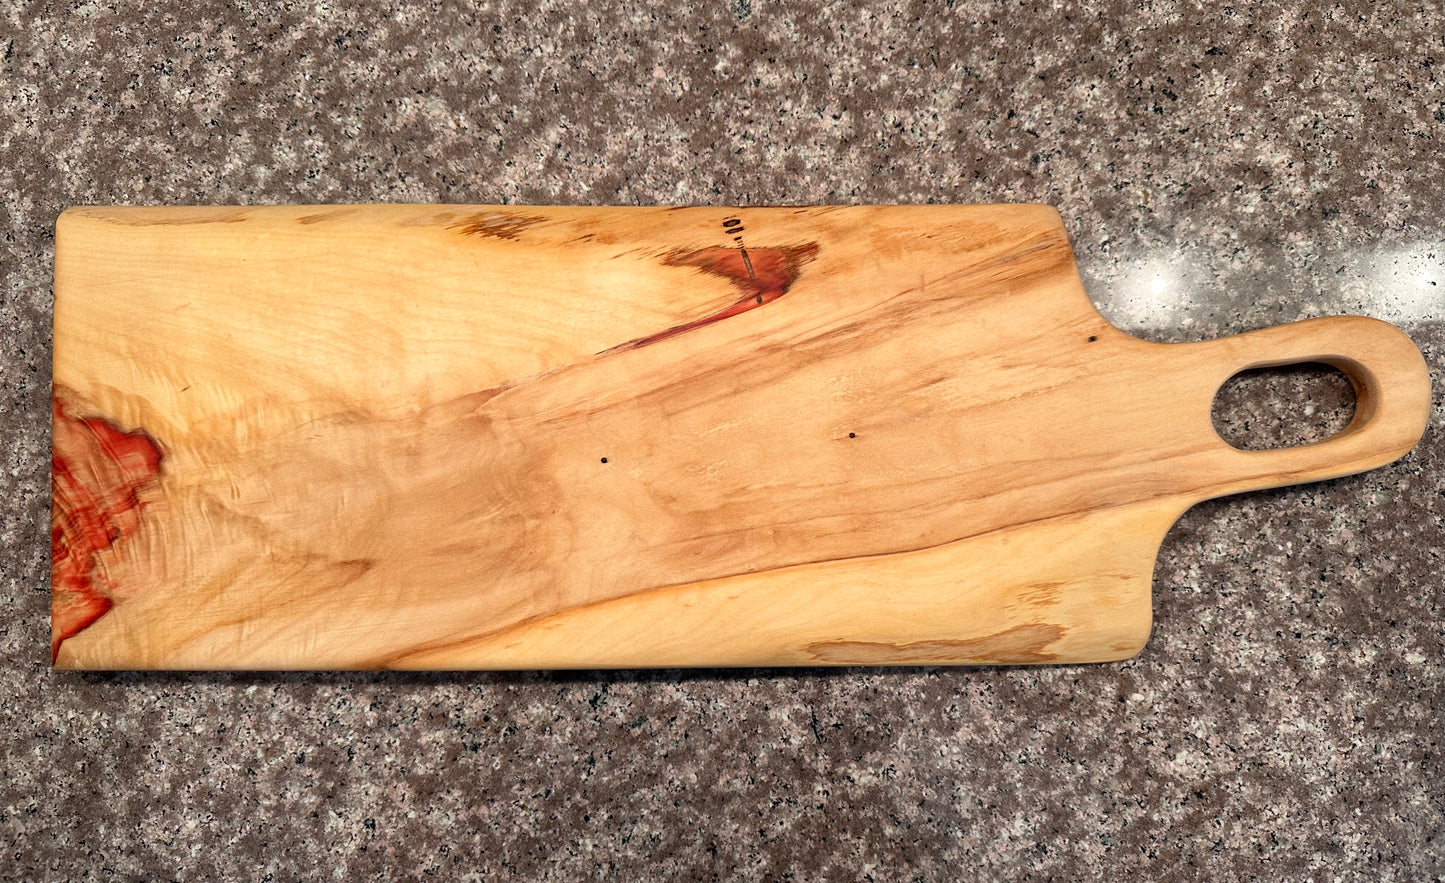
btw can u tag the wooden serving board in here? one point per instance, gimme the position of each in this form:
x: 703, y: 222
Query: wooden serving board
x: 503, y: 437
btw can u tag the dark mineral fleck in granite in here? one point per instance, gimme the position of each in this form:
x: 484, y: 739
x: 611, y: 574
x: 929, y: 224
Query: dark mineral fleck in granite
x: 1220, y: 168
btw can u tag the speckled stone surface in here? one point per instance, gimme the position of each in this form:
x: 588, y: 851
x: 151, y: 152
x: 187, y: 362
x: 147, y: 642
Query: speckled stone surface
x: 1220, y: 168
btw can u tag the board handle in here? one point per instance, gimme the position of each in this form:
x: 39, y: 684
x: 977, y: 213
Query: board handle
x: 1392, y: 397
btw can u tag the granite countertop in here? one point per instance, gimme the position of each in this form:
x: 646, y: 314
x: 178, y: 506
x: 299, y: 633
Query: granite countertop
x: 1220, y: 168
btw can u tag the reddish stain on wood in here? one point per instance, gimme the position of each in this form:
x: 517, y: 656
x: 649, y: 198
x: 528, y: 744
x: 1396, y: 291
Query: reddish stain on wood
x: 97, y: 474
x: 763, y: 274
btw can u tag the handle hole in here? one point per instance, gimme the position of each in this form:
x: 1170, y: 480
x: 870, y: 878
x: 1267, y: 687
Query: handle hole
x: 1283, y: 406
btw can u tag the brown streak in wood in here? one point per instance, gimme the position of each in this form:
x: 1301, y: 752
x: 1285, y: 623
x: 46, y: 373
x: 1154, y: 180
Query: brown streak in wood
x: 495, y: 225
x: 322, y: 217
x: 1019, y: 645
x: 1042, y: 594
x: 166, y: 216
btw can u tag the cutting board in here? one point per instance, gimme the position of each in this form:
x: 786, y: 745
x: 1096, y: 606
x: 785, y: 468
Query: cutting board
x: 450, y: 437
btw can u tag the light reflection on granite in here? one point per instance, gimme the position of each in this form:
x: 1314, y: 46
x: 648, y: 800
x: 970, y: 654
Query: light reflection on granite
x: 1220, y: 168
x: 1169, y: 290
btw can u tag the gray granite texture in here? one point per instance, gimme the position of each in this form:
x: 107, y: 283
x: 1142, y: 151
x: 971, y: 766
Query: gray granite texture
x: 1220, y: 168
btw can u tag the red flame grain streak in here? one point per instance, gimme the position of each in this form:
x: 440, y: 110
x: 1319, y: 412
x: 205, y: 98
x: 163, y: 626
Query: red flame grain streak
x: 764, y: 275
x: 97, y: 474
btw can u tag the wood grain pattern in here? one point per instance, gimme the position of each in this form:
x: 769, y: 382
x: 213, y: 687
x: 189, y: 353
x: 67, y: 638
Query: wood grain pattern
x: 452, y: 437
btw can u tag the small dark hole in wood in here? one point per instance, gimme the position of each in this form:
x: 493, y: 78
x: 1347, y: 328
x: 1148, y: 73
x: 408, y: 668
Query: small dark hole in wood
x: 604, y: 459
x: 1283, y: 407
x: 852, y: 435
x: 731, y: 222
x: 1093, y: 337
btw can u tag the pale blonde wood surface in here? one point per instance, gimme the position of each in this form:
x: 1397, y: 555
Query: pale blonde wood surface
x: 842, y: 435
